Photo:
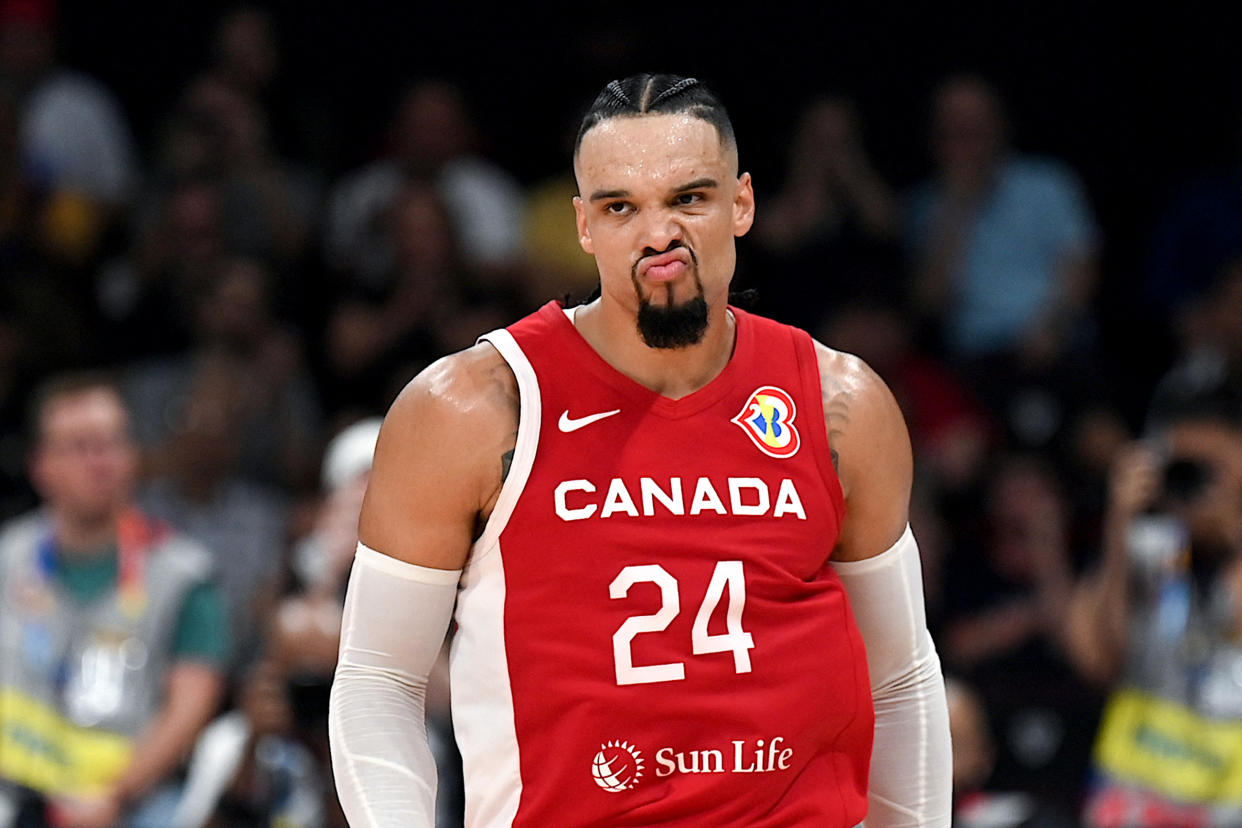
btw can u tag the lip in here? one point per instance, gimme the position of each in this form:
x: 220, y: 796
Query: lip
x: 664, y: 259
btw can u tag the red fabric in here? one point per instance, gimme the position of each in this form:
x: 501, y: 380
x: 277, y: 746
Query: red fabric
x: 804, y: 707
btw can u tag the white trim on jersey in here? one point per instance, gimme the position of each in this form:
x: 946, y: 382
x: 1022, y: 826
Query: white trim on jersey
x: 529, y: 416
x: 482, y: 696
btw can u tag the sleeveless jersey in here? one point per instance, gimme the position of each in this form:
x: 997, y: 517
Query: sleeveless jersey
x: 648, y: 630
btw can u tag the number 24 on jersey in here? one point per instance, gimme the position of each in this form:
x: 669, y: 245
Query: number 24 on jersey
x: 727, y: 575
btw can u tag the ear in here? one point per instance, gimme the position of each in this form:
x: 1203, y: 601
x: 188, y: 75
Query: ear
x: 743, y: 205
x: 584, y: 234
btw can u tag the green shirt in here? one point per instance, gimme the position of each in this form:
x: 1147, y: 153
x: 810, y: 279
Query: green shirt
x: 202, y: 625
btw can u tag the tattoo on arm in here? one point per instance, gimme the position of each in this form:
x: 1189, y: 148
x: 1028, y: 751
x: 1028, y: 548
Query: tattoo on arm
x: 503, y: 391
x: 836, y: 414
x: 504, y: 387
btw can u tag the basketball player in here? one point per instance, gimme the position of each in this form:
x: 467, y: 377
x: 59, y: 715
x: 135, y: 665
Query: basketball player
x: 645, y: 515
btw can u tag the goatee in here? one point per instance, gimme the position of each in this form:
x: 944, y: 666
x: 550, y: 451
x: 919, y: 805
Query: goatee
x: 672, y: 326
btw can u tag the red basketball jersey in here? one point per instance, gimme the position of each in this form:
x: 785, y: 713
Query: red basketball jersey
x: 649, y: 631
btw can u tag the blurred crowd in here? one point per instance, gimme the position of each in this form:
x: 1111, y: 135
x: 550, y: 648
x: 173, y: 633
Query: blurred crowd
x: 256, y: 314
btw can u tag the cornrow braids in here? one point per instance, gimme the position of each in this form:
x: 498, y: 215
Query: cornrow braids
x: 657, y: 94
x: 619, y: 93
x: 675, y: 89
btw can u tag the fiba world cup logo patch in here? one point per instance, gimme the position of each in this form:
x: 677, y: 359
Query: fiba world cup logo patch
x: 617, y: 766
x: 767, y: 418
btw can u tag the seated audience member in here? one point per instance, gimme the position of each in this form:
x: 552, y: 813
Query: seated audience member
x: 1003, y: 243
x: 253, y: 370
x: 832, y: 228
x: 112, y: 639
x: 1159, y: 623
x: 975, y: 803
x: 430, y: 304
x: 74, y: 136
x: 433, y: 140
x: 1007, y: 584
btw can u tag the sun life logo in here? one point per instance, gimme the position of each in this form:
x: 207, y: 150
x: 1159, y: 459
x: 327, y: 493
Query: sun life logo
x: 617, y: 766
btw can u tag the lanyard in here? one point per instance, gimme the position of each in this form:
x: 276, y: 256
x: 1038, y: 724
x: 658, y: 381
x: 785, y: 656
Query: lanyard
x: 134, y: 537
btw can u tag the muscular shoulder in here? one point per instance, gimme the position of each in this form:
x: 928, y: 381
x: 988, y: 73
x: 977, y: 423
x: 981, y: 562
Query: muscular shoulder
x: 474, y: 385
x: 870, y: 449
x: 441, y: 456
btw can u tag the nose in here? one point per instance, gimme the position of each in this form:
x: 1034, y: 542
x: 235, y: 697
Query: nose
x: 662, y: 232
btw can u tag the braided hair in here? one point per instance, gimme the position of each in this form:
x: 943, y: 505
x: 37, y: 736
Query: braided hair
x: 657, y: 94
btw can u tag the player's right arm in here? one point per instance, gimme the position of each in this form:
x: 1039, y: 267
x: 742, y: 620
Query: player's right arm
x: 877, y: 560
x: 439, y: 464
x: 442, y: 454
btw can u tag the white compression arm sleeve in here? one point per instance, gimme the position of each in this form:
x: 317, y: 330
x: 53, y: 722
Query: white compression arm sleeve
x: 911, y: 761
x: 396, y: 617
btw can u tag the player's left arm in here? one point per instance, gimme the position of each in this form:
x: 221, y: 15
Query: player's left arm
x: 877, y: 560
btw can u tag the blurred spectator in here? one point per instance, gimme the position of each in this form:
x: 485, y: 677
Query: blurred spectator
x: 244, y: 51
x: 1008, y: 584
x: 430, y: 304
x: 228, y: 428
x: 1198, y: 235
x: 112, y: 640
x: 434, y: 141
x: 950, y: 432
x: 247, y: 57
x: 44, y: 309
x: 1004, y: 249
x: 285, y: 699
x: 831, y: 231
x: 1160, y: 622
x: 976, y: 804
x: 1003, y: 244
x: 250, y: 366
x: 1210, y: 343
x: 75, y: 142
x: 219, y: 134
x: 147, y: 298
x: 218, y: 190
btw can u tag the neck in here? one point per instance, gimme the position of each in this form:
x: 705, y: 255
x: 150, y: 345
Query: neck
x: 83, y: 534
x: 672, y: 372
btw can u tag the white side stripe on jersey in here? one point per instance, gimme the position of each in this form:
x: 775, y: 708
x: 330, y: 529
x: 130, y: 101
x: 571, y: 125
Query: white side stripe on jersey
x: 482, y: 697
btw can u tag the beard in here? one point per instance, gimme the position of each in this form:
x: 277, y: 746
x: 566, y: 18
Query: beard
x: 671, y: 325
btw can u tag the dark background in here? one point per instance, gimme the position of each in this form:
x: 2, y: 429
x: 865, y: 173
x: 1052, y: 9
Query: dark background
x: 1139, y: 100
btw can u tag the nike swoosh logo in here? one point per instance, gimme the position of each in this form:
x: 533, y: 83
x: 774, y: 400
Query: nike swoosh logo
x: 567, y: 424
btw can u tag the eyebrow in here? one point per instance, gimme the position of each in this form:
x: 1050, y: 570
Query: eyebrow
x: 697, y: 184
x: 600, y: 195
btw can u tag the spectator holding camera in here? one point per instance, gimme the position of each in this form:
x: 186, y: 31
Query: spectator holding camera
x: 1161, y: 621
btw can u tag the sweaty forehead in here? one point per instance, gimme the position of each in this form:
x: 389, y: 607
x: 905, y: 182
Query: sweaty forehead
x: 655, y: 148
